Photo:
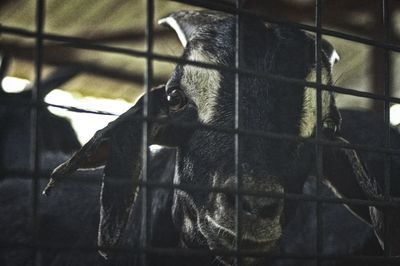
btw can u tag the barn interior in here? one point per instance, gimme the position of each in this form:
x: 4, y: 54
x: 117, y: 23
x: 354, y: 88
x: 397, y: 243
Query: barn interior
x: 107, y: 81
x: 93, y: 62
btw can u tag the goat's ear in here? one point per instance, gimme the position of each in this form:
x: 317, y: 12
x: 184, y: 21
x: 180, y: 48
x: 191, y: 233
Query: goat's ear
x: 344, y: 171
x: 121, y: 175
x: 328, y: 50
x: 93, y: 154
x: 97, y: 150
x: 123, y: 168
x: 119, y: 147
x: 186, y: 23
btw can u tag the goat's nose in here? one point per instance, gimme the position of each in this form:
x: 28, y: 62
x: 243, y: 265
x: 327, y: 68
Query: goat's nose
x: 259, y: 207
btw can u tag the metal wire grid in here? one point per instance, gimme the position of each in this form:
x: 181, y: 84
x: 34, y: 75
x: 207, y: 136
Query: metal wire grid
x: 79, y: 43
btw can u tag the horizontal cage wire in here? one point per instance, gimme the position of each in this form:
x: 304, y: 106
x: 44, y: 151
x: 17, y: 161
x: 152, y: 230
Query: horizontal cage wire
x: 146, y: 250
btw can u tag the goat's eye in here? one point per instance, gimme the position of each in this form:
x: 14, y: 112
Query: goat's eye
x: 329, y: 127
x: 176, y: 100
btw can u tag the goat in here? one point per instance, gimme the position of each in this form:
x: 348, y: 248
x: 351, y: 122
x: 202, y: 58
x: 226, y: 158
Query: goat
x: 15, y: 134
x: 198, y: 219
x: 57, y: 140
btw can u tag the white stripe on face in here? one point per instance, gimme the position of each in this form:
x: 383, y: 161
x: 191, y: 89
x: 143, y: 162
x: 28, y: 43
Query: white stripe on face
x: 202, y: 84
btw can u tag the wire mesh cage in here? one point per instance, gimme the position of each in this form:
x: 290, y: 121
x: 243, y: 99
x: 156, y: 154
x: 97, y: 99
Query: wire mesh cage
x: 251, y: 136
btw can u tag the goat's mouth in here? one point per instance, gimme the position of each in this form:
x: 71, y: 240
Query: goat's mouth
x: 222, y: 239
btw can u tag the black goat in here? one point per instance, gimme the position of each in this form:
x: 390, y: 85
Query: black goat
x: 55, y: 133
x: 197, y: 219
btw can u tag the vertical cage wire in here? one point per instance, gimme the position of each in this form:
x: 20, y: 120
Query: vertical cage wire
x: 34, y: 127
x: 318, y: 133
x: 238, y: 184
x: 145, y: 131
x: 387, y: 157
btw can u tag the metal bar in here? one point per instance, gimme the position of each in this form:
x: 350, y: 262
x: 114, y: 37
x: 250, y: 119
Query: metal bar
x: 4, y: 63
x: 145, y: 131
x: 237, y: 170
x: 223, y: 252
x: 393, y: 47
x: 318, y: 128
x: 51, y: 58
x: 78, y: 177
x: 196, y: 125
x: 34, y: 129
x: 387, y: 157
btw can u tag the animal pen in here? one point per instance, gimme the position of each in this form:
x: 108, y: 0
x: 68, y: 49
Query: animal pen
x: 322, y: 20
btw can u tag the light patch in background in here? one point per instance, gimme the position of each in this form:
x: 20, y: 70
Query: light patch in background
x: 395, y: 114
x: 14, y: 85
x: 155, y: 148
x: 85, y: 125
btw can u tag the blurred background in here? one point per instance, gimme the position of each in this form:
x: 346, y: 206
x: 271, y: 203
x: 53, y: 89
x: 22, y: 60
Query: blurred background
x: 111, y: 82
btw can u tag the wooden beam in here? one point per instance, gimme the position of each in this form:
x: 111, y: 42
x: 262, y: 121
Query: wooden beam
x: 70, y: 59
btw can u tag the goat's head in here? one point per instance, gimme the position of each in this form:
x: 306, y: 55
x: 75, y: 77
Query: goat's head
x: 266, y: 165
x: 206, y: 157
